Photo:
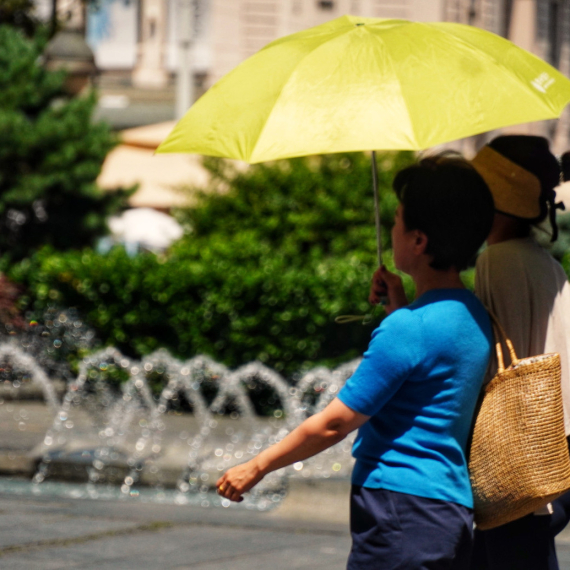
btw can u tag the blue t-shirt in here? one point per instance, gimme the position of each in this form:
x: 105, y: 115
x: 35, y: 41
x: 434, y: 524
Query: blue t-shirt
x: 419, y: 381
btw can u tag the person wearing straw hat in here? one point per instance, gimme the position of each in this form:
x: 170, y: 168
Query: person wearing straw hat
x: 414, y: 393
x: 528, y: 291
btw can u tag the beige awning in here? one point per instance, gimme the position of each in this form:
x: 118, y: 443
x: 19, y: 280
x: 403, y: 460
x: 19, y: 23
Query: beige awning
x: 160, y: 177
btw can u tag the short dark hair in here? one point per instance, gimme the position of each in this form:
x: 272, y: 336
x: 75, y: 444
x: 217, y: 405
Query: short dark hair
x: 444, y: 197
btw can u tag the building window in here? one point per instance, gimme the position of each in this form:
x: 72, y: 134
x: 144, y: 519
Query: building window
x: 554, y: 33
x: 325, y: 4
x: 507, y: 15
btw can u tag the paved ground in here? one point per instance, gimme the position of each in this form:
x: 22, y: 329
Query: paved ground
x: 51, y: 532
x: 48, y: 534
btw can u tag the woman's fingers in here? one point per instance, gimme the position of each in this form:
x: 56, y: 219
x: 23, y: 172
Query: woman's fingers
x: 227, y: 490
x: 238, y: 480
x: 378, y: 288
x: 235, y: 496
x: 395, y: 290
x: 386, y: 284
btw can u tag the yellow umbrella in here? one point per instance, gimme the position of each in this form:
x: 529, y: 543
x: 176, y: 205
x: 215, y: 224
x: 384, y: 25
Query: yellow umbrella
x: 357, y: 84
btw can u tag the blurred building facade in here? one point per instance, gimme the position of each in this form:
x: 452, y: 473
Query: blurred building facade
x: 143, y: 35
x: 140, y: 39
x: 540, y: 26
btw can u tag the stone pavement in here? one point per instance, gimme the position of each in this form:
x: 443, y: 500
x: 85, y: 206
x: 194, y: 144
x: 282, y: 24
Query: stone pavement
x: 309, y: 530
x: 43, y: 533
x: 53, y: 533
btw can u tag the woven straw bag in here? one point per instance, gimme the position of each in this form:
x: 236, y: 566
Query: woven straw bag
x: 519, y: 459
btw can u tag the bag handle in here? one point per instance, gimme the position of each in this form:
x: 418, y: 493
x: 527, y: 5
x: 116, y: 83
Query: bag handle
x: 501, y: 335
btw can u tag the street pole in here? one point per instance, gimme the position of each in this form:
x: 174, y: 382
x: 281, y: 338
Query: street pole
x: 184, y: 79
x: 53, y: 24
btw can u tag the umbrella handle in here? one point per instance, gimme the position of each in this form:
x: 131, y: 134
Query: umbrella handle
x: 383, y: 299
x: 376, y: 208
x: 343, y: 319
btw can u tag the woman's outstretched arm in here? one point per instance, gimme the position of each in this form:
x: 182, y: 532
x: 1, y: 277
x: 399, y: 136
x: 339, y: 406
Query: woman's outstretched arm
x: 315, y: 434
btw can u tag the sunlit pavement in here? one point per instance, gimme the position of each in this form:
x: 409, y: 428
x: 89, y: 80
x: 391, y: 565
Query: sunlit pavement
x: 48, y: 533
x: 563, y: 549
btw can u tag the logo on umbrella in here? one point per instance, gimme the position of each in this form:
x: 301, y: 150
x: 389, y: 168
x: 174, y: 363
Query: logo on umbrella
x: 542, y: 82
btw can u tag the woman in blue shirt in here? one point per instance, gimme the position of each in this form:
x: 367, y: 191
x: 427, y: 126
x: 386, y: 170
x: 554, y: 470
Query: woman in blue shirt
x: 413, y: 396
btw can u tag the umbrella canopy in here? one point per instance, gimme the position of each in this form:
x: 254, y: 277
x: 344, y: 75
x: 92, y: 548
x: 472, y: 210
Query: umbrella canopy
x: 363, y: 83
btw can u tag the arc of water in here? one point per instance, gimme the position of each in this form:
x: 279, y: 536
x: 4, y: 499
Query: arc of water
x: 336, y: 380
x: 259, y: 436
x: 27, y: 363
x: 318, y: 375
x: 186, y: 377
x: 56, y: 434
x: 335, y: 459
x: 194, y: 372
x: 183, y: 377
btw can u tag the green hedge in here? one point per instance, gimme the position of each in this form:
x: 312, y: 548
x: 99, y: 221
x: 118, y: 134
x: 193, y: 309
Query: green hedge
x: 236, y: 308
x: 261, y: 275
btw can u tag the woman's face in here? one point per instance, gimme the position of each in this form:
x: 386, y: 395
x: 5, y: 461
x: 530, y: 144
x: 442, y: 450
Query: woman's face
x: 403, y: 242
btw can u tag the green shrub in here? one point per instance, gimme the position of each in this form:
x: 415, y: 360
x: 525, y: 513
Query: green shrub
x: 264, y: 271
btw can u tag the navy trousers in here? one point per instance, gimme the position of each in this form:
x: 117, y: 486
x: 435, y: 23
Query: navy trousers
x: 524, y: 544
x: 397, y: 531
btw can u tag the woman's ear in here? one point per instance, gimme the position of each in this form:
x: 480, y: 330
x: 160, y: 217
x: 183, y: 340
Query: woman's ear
x: 420, y: 242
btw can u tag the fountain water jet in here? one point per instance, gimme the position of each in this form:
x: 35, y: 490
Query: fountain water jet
x: 121, y: 438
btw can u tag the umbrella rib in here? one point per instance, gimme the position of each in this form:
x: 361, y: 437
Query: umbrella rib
x: 496, y: 61
x: 409, y: 86
x: 293, y: 71
x: 410, y: 122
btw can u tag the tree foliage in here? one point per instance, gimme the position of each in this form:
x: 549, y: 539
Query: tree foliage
x: 19, y: 14
x: 50, y: 156
x: 274, y: 254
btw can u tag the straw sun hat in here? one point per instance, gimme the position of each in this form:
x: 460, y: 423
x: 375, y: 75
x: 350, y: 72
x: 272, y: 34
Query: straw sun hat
x: 521, y: 173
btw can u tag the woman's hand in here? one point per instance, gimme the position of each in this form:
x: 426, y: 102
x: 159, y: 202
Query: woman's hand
x: 388, y: 285
x: 315, y: 434
x: 238, y: 480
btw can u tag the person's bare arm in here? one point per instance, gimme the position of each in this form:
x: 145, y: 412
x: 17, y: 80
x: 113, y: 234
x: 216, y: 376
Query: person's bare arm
x: 314, y: 435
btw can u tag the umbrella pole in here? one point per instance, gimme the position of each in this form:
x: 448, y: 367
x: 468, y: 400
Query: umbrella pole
x: 376, y: 208
x: 383, y: 300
